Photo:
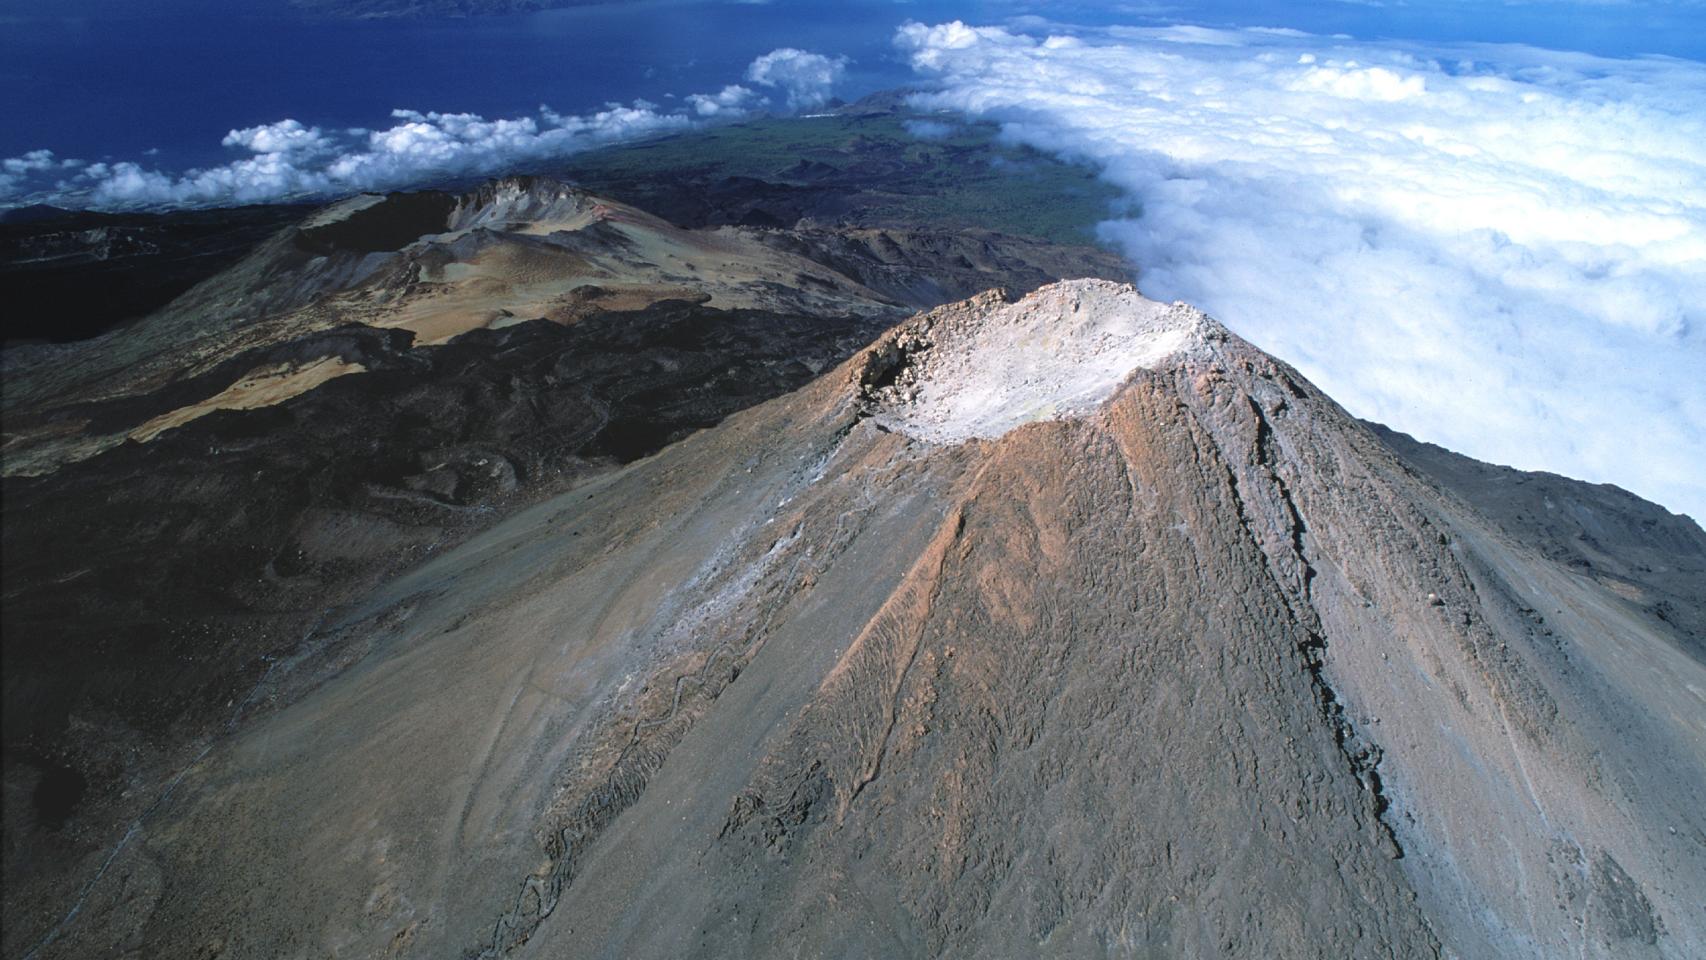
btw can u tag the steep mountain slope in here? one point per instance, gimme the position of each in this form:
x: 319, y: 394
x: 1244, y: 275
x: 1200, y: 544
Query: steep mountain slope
x: 1636, y: 549
x: 1156, y: 653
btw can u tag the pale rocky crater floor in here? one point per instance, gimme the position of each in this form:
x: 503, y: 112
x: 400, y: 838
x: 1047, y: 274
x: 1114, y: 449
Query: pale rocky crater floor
x: 981, y: 368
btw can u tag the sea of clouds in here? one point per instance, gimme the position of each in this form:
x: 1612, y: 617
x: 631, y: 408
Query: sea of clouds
x: 1498, y: 249
x: 291, y: 160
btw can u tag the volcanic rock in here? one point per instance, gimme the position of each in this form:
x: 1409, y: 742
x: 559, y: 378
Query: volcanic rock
x: 1171, y: 660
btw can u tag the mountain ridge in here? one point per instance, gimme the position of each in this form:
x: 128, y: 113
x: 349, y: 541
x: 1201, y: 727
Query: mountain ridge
x: 1202, y: 667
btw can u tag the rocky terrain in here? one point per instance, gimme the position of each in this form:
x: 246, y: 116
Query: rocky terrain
x: 186, y: 497
x: 1159, y: 653
x: 1636, y: 549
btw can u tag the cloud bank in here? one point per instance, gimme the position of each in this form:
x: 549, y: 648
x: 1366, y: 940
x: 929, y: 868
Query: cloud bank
x: 288, y: 160
x: 1498, y: 249
x: 732, y: 100
x: 805, y: 78
x: 292, y: 160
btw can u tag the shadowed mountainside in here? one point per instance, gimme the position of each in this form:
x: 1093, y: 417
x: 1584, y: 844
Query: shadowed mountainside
x: 67, y: 276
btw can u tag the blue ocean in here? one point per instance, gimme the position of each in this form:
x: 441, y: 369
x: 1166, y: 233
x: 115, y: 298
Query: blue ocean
x: 162, y: 81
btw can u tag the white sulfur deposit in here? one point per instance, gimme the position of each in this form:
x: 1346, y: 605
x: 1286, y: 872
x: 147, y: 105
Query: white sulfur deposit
x: 982, y: 368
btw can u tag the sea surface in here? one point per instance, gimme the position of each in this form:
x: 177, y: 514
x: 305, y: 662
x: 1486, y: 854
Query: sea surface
x: 162, y: 81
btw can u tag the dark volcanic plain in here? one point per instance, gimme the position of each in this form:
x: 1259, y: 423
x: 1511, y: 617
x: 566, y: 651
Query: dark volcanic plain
x: 697, y: 561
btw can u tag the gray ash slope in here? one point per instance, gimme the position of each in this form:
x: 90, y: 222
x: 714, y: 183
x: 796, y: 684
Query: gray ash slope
x: 1180, y: 661
x: 1637, y: 549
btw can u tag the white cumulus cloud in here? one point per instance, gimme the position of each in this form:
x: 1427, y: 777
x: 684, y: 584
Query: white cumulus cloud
x: 288, y: 159
x: 286, y: 136
x: 732, y: 100
x: 16, y: 171
x: 293, y: 160
x: 1497, y: 248
x: 806, y: 78
x: 31, y: 162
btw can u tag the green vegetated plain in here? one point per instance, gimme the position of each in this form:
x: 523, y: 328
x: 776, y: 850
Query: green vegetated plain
x: 966, y: 178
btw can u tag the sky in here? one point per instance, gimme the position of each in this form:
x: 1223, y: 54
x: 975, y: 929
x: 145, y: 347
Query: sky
x: 1480, y: 223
